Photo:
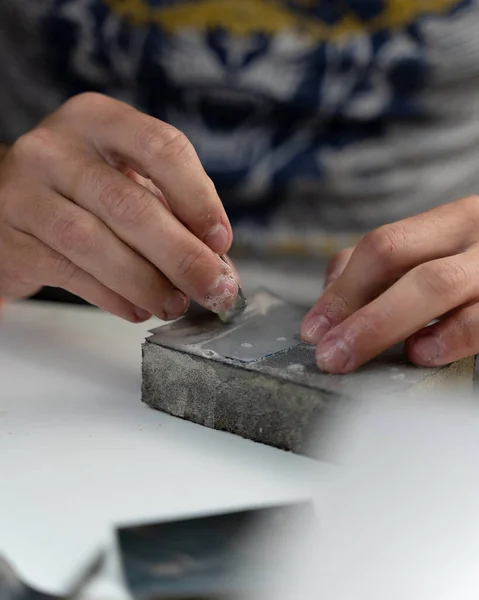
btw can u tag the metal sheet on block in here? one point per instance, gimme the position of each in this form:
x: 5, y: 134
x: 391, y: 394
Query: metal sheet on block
x: 268, y: 326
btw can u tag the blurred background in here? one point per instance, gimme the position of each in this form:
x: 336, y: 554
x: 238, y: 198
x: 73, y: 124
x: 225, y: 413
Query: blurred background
x: 318, y: 120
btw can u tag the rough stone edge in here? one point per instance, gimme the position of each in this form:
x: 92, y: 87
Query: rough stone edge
x: 283, y: 419
x: 272, y: 420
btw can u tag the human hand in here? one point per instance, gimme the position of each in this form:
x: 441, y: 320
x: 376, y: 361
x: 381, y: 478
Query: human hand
x: 395, y: 282
x: 114, y: 206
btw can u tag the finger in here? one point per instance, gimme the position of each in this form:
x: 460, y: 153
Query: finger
x: 87, y: 287
x: 423, y: 294
x: 454, y: 337
x: 147, y: 183
x: 136, y: 216
x: 386, y: 254
x: 164, y: 155
x: 336, y: 266
x: 36, y: 265
x: 86, y: 242
x: 13, y: 266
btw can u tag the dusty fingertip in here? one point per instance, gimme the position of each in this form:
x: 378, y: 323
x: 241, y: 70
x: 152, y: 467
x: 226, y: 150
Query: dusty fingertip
x: 223, y: 292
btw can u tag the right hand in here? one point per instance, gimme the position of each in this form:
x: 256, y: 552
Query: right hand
x: 113, y: 206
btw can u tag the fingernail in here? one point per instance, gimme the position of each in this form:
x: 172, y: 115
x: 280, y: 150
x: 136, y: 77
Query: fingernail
x: 217, y: 238
x: 141, y: 314
x: 176, y: 305
x: 314, y: 328
x: 333, y: 355
x: 427, y: 348
x: 223, y: 292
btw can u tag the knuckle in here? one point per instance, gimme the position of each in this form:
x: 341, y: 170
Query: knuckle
x: 191, y: 261
x: 86, y: 101
x: 443, y: 278
x: 178, y: 146
x: 384, y: 243
x: 127, y: 205
x: 149, y: 137
x: 36, y: 144
x: 164, y: 142
x: 73, y: 234
x: 62, y: 269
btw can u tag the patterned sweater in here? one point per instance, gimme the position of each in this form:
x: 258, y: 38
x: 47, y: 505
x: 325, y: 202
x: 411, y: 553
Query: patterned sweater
x: 311, y: 116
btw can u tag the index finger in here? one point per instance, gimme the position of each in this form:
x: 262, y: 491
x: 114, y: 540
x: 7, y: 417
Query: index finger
x: 163, y: 154
x: 423, y: 294
x: 386, y: 254
x: 145, y: 224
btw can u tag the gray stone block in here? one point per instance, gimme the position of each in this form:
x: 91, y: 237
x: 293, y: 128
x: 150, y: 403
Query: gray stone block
x: 256, y: 379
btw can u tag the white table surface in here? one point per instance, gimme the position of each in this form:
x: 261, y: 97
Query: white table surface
x: 80, y: 453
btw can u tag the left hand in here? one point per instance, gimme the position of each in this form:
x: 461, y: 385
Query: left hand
x: 397, y: 280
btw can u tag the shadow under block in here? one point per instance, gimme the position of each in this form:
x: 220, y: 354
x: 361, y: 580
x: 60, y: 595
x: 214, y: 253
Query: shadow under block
x: 256, y: 379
